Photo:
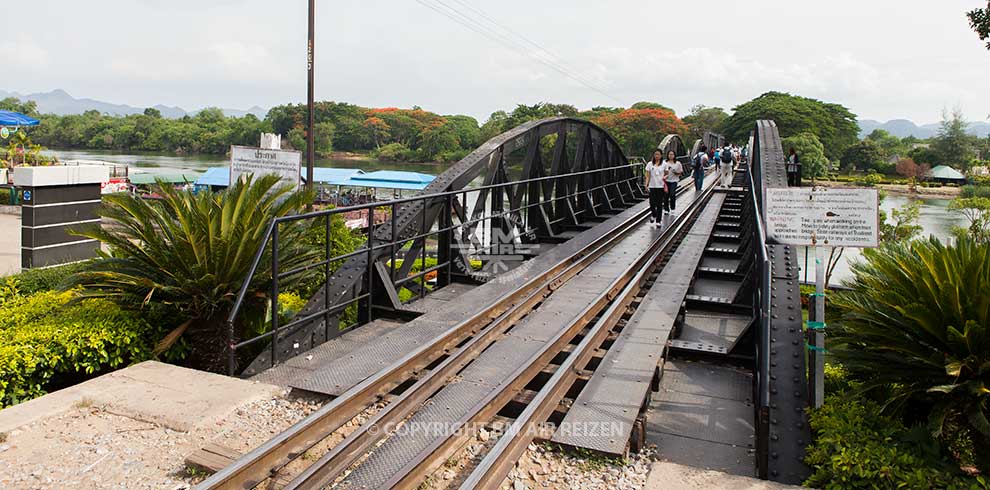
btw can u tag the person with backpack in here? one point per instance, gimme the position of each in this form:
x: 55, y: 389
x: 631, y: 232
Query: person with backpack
x: 699, y: 163
x: 725, y: 167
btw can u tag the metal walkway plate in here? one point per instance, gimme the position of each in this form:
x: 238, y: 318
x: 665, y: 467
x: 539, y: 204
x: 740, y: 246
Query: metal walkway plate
x: 618, y: 389
x: 336, y: 376
x: 718, y: 329
x: 703, y: 417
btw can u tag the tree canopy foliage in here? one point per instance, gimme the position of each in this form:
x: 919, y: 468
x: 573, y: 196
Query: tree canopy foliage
x: 865, y: 155
x: 979, y: 20
x: 834, y: 125
x: 704, y: 119
x: 810, y: 152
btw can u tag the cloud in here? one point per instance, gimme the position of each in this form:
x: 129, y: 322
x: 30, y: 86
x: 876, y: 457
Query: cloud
x: 23, y: 53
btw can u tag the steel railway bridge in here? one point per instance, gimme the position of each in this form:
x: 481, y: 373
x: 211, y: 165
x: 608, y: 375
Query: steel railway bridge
x: 526, y: 289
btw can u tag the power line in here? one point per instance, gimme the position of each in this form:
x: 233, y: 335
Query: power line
x: 522, y: 49
x: 527, y: 40
x: 480, y: 28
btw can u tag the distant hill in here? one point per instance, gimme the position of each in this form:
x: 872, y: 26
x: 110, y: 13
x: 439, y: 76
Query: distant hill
x: 902, y: 128
x: 60, y: 102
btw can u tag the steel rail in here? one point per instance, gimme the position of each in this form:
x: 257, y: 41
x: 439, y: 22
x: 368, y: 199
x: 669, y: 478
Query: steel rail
x: 493, y: 469
x: 262, y: 462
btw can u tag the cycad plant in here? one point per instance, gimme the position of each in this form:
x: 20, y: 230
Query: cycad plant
x: 191, y: 252
x: 916, y: 324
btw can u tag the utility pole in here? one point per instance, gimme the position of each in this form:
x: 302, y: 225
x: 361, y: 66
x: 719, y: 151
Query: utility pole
x: 310, y: 128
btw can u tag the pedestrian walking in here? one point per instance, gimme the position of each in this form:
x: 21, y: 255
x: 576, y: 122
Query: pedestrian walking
x: 655, y: 186
x: 725, y: 167
x: 699, y: 163
x: 793, y: 169
x: 672, y: 171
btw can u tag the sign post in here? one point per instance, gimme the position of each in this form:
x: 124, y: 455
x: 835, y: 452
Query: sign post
x: 822, y: 218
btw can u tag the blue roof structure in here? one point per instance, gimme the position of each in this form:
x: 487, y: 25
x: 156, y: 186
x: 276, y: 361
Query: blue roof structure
x: 332, y: 176
x: 390, y: 179
x: 16, y: 119
x: 215, y: 177
x: 220, y: 176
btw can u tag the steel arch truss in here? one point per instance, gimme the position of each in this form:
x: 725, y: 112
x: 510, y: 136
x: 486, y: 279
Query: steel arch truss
x: 518, y: 187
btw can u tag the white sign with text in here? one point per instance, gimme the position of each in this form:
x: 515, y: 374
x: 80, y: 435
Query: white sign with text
x: 826, y: 217
x: 246, y: 160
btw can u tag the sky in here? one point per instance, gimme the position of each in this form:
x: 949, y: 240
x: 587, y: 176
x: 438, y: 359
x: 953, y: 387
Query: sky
x: 883, y: 59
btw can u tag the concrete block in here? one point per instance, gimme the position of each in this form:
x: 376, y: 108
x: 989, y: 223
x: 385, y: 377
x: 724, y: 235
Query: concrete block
x: 60, y: 175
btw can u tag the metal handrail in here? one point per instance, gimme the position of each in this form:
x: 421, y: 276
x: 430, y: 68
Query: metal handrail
x: 763, y: 316
x: 374, y: 245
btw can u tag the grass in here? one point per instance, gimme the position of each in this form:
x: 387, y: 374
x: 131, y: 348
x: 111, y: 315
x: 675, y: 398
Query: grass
x: 586, y: 459
x: 86, y: 402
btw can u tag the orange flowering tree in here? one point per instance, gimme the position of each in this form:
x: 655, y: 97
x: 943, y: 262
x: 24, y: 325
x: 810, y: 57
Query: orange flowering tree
x: 639, y: 131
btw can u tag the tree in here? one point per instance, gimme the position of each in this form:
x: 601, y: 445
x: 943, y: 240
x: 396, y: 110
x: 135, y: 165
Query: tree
x: 926, y: 155
x: 892, y: 145
x: 152, y: 112
x: 976, y: 210
x: 652, y: 105
x: 912, y: 171
x: 865, y: 155
x: 638, y: 131
x: 979, y: 20
x: 29, y: 107
x: 192, y: 252
x: 704, y: 119
x: 323, y: 141
x: 904, y: 226
x: 810, y: 152
x: 953, y: 144
x: 833, y: 124
x: 915, y: 326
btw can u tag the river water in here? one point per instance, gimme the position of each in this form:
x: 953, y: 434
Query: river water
x: 936, y: 219
x: 165, y: 164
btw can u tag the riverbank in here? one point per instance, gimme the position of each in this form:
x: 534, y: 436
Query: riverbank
x: 944, y: 192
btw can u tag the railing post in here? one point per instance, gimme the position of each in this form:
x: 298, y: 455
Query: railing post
x: 274, y: 294
x: 445, y: 241
x: 368, y: 273
x: 326, y: 279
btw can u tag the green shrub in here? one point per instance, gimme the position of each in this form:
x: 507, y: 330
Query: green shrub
x: 870, y: 180
x: 857, y: 447
x: 395, y: 152
x: 47, y: 341
x: 915, y: 324
x: 974, y: 191
x: 32, y: 281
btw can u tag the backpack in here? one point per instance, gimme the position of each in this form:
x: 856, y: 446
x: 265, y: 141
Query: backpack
x: 697, y: 161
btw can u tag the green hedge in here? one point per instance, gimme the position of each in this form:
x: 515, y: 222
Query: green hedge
x: 47, y: 342
x: 857, y: 447
x: 32, y: 281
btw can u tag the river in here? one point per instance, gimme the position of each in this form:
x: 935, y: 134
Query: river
x: 936, y: 219
x: 164, y: 164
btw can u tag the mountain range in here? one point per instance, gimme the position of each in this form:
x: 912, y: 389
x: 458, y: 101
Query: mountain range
x: 60, y: 102
x: 902, y: 128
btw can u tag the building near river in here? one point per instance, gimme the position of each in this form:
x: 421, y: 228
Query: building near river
x: 947, y: 175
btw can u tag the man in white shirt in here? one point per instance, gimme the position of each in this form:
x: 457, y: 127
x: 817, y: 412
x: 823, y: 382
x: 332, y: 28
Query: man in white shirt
x: 725, y: 168
x: 654, y: 185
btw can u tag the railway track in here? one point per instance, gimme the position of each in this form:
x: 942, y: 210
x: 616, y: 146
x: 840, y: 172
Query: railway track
x: 426, y: 381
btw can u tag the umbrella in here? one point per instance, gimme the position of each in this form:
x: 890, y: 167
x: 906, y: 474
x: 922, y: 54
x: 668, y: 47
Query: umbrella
x: 16, y: 119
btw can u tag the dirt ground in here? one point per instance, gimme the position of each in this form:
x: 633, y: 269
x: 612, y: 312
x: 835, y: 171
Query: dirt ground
x: 92, y: 448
